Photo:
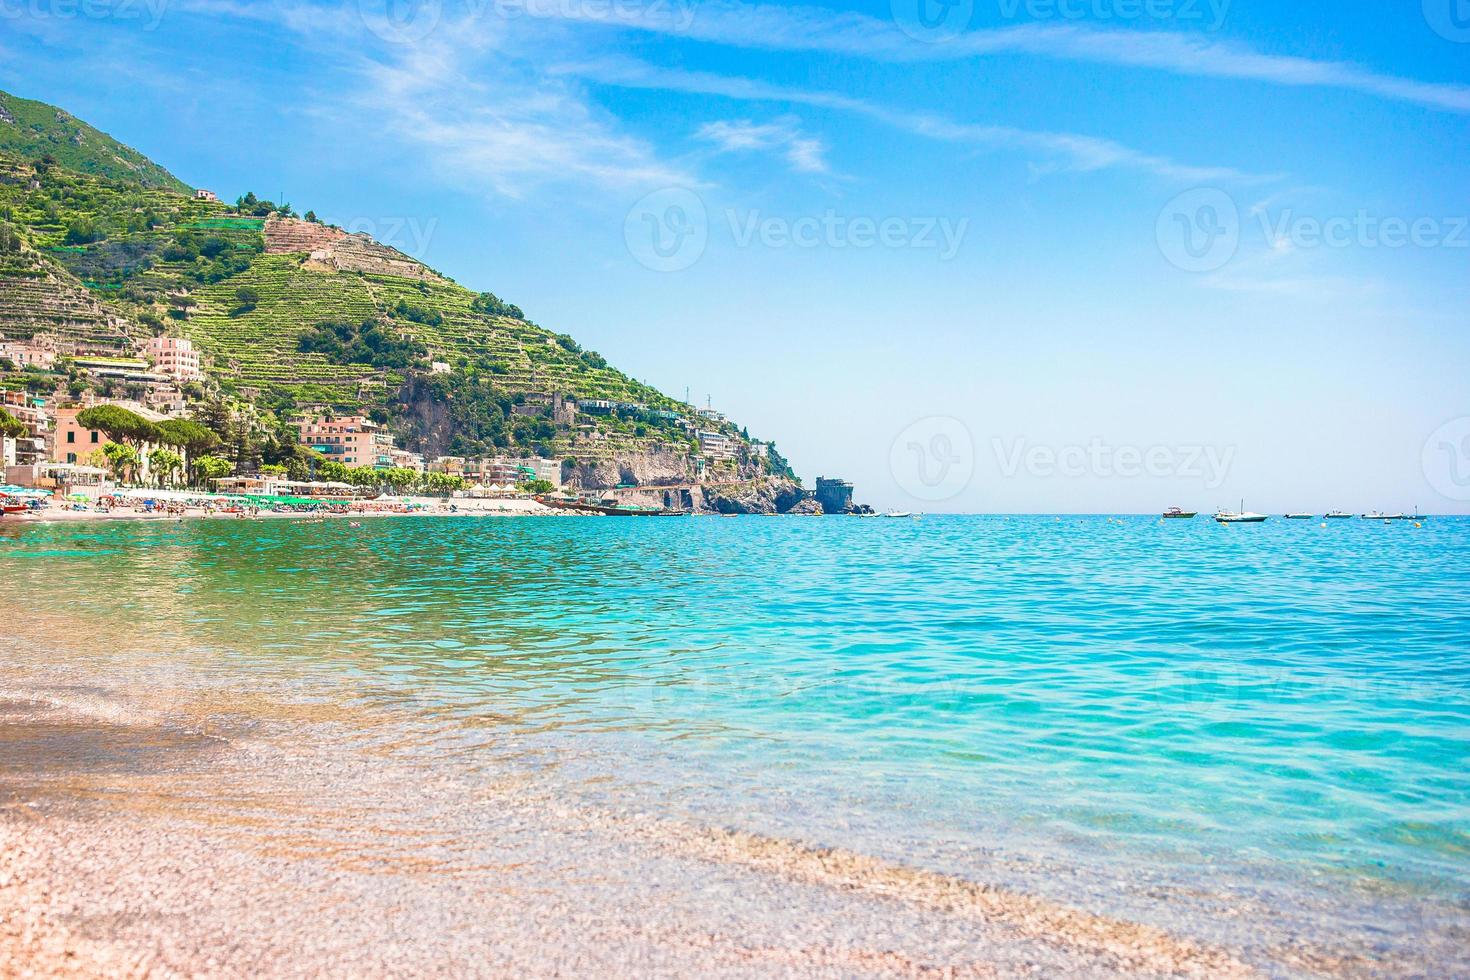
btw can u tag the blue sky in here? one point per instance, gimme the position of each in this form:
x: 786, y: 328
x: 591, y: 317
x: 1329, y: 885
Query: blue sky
x: 994, y: 255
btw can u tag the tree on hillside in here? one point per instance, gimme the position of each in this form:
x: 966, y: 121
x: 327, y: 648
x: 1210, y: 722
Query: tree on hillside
x: 249, y: 298
x: 84, y: 231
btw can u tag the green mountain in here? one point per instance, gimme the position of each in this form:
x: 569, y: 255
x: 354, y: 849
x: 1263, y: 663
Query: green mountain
x: 294, y: 317
x: 33, y: 130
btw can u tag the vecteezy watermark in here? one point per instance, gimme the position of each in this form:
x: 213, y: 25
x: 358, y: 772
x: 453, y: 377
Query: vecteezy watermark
x: 833, y: 230
x: 150, y: 12
x: 1210, y: 14
x: 411, y: 236
x: 933, y: 459
x: 669, y: 230
x: 1209, y: 464
x: 672, y: 15
x: 932, y: 21
x: 401, y: 21
x: 1201, y: 230
x: 1446, y: 459
x: 1450, y: 19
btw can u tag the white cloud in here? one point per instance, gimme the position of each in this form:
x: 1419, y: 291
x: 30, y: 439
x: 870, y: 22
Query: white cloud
x: 805, y: 154
x: 1071, y: 151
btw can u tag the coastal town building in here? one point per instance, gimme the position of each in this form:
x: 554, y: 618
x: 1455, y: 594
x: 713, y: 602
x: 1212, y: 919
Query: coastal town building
x: 203, y: 195
x: 175, y: 357
x: 126, y: 369
x: 403, y: 459
x: 439, y: 367
x: 72, y: 442
x: 352, y: 441
x: 508, y: 471
x: 20, y: 455
x: 716, y: 445
x: 166, y: 398
x: 448, y: 465
x: 36, y: 354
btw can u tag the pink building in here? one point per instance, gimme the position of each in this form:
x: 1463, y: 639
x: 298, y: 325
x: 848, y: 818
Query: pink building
x: 73, y: 443
x: 175, y: 357
x: 354, y: 441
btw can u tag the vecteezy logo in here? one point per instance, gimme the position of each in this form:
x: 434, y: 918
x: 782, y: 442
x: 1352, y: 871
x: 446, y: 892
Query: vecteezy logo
x: 401, y: 21
x: 1450, y: 19
x: 933, y: 459
x: 667, y: 230
x: 932, y: 21
x: 1199, y: 231
x: 1446, y: 459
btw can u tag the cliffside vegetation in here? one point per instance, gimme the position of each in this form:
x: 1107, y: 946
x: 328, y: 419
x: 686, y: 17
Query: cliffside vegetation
x: 294, y: 316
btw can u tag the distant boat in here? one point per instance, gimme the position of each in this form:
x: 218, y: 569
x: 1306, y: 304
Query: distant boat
x: 1337, y: 515
x: 1374, y: 515
x: 1241, y: 516
x: 1176, y: 514
x: 898, y: 513
x: 1300, y: 517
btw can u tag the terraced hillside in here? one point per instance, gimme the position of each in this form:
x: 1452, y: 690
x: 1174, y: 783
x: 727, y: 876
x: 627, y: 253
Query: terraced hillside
x: 295, y: 316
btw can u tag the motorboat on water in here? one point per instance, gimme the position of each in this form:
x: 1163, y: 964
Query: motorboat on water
x: 1300, y: 517
x: 898, y: 513
x: 1241, y: 516
x: 1174, y: 513
x: 1337, y: 515
x: 1380, y: 516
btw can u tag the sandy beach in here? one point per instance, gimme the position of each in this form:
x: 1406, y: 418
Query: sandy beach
x: 270, y: 838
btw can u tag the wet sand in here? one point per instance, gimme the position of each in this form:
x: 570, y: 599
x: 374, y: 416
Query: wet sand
x: 155, y: 835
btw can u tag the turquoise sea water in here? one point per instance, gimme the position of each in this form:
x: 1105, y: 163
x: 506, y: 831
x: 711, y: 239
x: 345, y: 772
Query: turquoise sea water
x: 1163, y: 717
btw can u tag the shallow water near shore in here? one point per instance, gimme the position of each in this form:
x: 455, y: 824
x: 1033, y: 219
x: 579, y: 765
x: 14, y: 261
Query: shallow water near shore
x: 1256, y: 736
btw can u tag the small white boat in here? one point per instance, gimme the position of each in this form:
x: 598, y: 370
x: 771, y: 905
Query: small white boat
x: 1241, y: 516
x: 1337, y: 515
x: 1300, y: 517
x: 1375, y: 515
x: 898, y: 513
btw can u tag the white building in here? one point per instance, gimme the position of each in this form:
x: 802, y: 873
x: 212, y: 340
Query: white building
x: 716, y: 445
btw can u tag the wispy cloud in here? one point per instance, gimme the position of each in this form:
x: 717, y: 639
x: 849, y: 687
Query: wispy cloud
x: 486, y: 111
x: 805, y: 154
x: 509, y: 130
x: 1070, y: 151
x: 805, y: 28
